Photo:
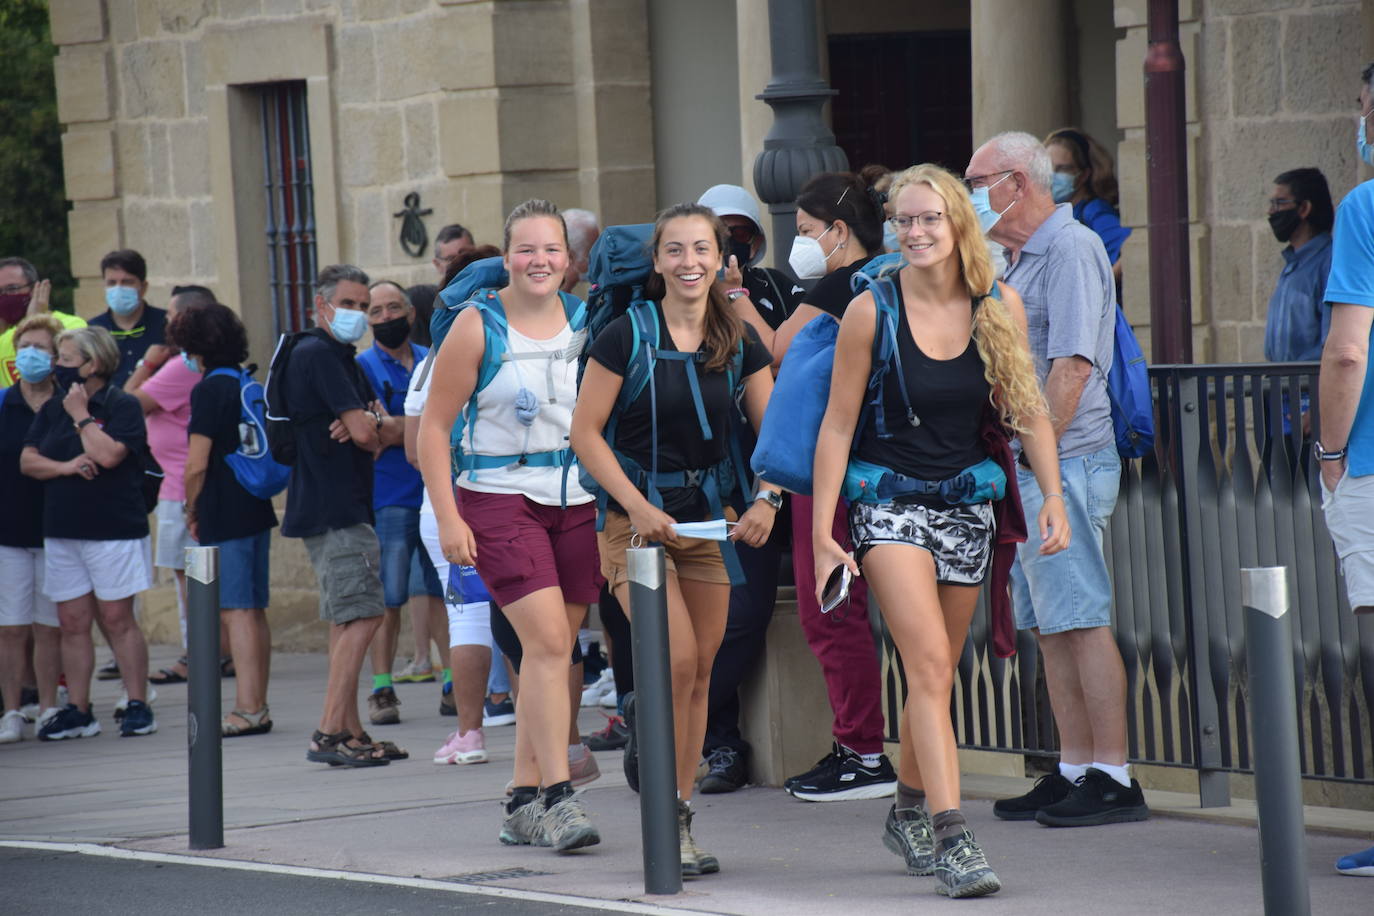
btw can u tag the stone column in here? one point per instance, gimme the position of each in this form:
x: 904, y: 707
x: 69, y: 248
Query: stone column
x: 1020, y: 66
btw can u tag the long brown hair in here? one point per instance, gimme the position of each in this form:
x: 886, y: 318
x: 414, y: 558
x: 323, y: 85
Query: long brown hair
x: 1092, y: 160
x: 724, y: 330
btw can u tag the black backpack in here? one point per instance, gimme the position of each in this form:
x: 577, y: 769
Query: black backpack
x: 281, y: 431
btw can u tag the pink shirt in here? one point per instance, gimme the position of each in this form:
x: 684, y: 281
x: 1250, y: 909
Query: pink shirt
x: 170, y: 387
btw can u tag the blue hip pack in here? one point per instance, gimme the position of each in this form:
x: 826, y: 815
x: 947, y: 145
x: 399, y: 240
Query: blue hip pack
x: 872, y: 483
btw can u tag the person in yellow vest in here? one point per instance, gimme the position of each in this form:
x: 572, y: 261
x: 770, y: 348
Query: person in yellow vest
x: 22, y: 294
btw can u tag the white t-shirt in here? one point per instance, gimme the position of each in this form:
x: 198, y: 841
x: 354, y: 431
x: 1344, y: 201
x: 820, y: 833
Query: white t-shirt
x: 416, y: 396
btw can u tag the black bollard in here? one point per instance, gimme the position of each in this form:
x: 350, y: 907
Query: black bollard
x: 1274, y: 732
x: 203, y: 700
x: 654, y: 721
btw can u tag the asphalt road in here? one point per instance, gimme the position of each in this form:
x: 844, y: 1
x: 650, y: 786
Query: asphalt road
x: 41, y: 883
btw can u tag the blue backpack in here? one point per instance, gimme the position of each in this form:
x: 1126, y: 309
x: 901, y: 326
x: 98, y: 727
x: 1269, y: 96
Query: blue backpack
x: 476, y: 287
x: 1128, y: 388
x: 252, y: 462
x: 618, y: 266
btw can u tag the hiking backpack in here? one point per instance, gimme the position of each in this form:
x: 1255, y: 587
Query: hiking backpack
x: 252, y: 462
x: 1128, y: 389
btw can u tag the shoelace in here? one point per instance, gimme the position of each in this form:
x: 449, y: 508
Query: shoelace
x: 917, y: 831
x: 568, y: 812
x: 966, y: 856
x: 722, y: 758
x: 609, y: 730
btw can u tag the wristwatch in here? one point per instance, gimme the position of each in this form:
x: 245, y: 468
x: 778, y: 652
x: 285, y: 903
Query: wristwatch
x: 772, y: 497
x: 376, y: 416
x: 83, y: 422
x: 1323, y: 455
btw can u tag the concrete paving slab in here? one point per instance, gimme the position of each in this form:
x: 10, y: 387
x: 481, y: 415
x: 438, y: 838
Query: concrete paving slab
x: 439, y: 822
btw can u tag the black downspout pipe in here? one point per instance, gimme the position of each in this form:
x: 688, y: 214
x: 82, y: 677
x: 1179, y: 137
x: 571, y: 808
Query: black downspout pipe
x: 799, y: 144
x: 1166, y: 154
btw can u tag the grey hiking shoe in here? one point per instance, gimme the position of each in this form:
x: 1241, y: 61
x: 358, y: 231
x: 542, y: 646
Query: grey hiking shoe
x: 567, y: 826
x: 524, y: 826
x: 695, y: 860
x: 909, y: 834
x: 962, y: 869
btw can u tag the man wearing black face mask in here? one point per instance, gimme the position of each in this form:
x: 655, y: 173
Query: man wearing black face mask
x: 396, y: 492
x: 1301, y: 215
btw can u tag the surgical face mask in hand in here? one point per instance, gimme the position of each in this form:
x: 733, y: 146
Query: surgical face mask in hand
x: 348, y: 325
x: 714, y: 530
x: 122, y: 300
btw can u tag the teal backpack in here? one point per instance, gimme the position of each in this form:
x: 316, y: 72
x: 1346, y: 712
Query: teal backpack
x: 477, y: 287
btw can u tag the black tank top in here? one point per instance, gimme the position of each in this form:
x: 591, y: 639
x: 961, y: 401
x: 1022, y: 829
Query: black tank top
x: 947, y: 396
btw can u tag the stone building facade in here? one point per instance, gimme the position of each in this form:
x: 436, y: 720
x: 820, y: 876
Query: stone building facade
x: 622, y: 106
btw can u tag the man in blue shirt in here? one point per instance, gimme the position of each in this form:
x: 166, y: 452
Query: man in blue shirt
x: 1346, y: 447
x: 397, y: 492
x: 1300, y: 214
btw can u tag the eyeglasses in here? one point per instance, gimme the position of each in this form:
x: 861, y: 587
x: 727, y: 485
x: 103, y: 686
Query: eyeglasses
x: 970, y: 181
x: 16, y: 289
x: 929, y: 221
x: 741, y: 233
x: 1281, y: 203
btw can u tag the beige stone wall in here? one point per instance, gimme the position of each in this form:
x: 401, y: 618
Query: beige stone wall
x: 1270, y: 86
x: 404, y: 95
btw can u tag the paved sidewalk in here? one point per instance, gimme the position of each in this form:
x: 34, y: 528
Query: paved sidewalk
x: 778, y: 855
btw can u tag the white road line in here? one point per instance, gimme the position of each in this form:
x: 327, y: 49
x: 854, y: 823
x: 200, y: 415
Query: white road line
x: 300, y: 871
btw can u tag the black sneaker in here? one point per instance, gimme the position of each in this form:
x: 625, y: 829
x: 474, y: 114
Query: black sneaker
x: 1096, y: 799
x: 1049, y: 789
x: 611, y: 738
x: 909, y: 834
x: 631, y: 746
x: 70, y: 722
x: 829, y: 762
x: 851, y: 778
x: 138, y: 720
x: 962, y: 869
x: 726, y: 772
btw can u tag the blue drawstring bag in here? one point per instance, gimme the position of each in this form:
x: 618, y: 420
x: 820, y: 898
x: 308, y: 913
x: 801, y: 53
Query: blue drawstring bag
x: 786, y: 448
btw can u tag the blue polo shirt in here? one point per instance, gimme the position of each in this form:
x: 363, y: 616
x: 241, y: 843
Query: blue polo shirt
x: 1351, y: 282
x: 395, y: 482
x: 1298, y: 318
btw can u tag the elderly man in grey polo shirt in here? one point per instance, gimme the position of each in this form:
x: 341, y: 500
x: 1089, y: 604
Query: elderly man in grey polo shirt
x: 1062, y: 273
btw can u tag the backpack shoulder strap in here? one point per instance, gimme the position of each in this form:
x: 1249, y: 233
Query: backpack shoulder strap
x: 645, y: 336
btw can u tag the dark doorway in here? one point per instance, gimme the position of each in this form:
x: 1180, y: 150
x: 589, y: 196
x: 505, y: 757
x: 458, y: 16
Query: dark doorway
x: 904, y: 97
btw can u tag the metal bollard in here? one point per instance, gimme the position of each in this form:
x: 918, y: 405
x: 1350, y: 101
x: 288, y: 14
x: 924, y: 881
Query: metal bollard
x: 1274, y: 732
x: 203, y: 700
x: 654, y: 720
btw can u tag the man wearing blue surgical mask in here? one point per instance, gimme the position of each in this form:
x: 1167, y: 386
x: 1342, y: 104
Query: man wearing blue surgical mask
x: 135, y: 324
x: 1061, y: 269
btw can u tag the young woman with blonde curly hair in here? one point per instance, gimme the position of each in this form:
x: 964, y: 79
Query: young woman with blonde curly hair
x: 965, y: 366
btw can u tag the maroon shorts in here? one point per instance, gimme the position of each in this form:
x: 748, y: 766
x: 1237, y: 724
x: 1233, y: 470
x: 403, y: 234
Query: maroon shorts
x: 523, y: 546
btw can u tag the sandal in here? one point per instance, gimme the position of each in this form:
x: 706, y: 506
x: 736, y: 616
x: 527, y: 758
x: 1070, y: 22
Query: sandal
x: 258, y: 723
x: 389, y: 749
x: 169, y: 675
x: 337, y: 752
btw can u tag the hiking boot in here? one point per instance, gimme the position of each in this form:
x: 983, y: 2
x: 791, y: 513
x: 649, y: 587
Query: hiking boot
x: 725, y: 771
x: 1096, y: 799
x: 582, y: 767
x: 962, y: 869
x: 631, y: 763
x: 524, y: 826
x: 849, y: 778
x: 567, y: 826
x: 695, y: 860
x: 463, y: 747
x: 1049, y: 789
x: 138, y: 720
x: 824, y: 765
x: 383, y: 707
x: 70, y: 722
x: 909, y: 833
x: 611, y: 738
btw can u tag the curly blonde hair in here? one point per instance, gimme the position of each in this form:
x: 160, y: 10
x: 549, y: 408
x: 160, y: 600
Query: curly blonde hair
x: 1007, y: 364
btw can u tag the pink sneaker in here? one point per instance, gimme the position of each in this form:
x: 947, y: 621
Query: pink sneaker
x: 465, y: 747
x: 582, y: 767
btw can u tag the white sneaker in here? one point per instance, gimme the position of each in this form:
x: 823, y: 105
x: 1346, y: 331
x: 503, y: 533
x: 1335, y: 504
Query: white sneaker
x: 610, y: 698
x: 29, y: 711
x: 593, y: 693
x: 11, y: 727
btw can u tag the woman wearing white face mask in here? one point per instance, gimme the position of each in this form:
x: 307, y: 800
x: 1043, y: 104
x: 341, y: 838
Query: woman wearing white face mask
x: 839, y: 230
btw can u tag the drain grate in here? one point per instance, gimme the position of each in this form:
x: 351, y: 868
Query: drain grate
x: 500, y: 874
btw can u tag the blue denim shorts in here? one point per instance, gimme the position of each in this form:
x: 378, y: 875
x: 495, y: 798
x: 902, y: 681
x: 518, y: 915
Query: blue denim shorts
x: 243, y: 571
x: 404, y: 573
x: 1072, y: 589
